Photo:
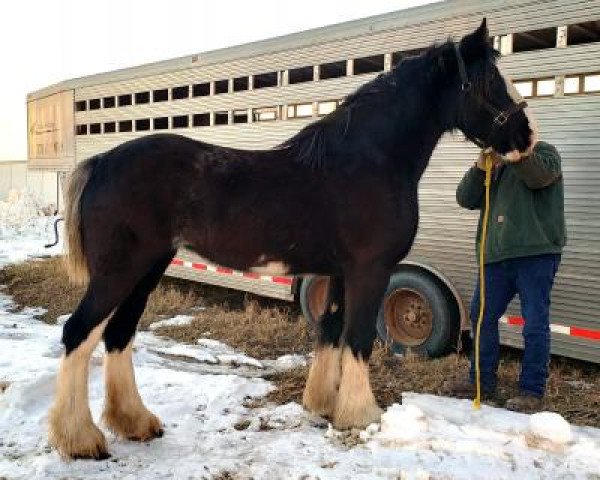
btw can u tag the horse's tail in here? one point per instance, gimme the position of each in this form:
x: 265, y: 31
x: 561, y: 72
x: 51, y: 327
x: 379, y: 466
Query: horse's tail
x: 75, y: 259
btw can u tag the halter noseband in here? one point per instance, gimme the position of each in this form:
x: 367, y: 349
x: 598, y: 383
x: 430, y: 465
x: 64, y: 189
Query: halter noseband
x: 500, y: 116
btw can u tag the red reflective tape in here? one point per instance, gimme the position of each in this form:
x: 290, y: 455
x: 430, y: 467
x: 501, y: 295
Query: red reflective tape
x: 229, y: 271
x: 516, y: 321
x: 585, y: 333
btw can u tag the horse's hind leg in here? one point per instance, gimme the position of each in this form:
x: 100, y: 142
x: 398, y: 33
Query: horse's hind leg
x: 323, y: 379
x: 124, y: 412
x: 356, y: 405
x: 71, y: 428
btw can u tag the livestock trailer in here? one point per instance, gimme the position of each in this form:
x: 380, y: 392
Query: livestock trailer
x: 257, y: 95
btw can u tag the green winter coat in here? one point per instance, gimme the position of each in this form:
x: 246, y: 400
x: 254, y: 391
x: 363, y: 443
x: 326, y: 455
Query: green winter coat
x: 526, y: 205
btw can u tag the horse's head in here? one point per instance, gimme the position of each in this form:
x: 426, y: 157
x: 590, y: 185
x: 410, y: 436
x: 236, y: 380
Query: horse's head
x: 491, y: 113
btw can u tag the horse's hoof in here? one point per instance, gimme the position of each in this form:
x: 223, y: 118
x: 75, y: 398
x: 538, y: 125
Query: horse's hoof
x: 140, y: 426
x: 360, y: 418
x: 86, y: 441
x: 97, y: 456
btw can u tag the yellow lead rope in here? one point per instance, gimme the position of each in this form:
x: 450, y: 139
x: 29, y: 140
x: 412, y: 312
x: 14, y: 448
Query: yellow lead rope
x: 488, y: 180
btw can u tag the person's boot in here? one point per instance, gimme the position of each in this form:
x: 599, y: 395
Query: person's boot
x: 463, y: 388
x: 525, y: 403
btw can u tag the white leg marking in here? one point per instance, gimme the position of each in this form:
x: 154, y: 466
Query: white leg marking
x: 323, y: 381
x: 356, y: 405
x: 124, y: 412
x: 71, y: 428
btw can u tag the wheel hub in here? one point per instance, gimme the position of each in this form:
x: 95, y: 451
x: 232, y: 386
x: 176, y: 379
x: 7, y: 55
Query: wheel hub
x: 408, y: 317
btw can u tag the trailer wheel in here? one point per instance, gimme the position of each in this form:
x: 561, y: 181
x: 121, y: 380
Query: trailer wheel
x: 417, y: 315
x: 313, y: 297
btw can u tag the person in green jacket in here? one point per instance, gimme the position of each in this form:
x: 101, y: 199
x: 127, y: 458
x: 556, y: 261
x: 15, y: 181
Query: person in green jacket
x: 526, y: 235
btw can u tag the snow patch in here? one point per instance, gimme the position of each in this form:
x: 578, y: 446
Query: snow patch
x: 177, y: 321
x: 402, y: 424
x: 25, y: 227
x: 550, y: 426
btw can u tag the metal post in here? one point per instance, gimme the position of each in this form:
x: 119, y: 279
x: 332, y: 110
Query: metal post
x: 561, y: 37
x: 387, y: 62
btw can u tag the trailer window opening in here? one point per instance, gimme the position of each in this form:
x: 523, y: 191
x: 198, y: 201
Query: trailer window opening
x: 221, y: 118
x: 124, y: 100
x: 142, y: 124
x: 95, y: 128
x: 265, y: 114
x: 161, y: 95
x: 81, y: 106
x: 179, y: 93
x: 584, y: 32
x: 110, y: 127
x: 108, y: 102
x: 370, y: 64
x: 81, y: 129
x: 240, y: 116
x: 181, y: 121
x: 201, y: 120
x: 125, y: 126
x: 240, y: 84
x: 591, y: 83
x: 265, y: 80
x: 572, y: 85
x: 534, y: 40
x: 142, y: 97
x: 400, y: 55
x: 161, y: 123
x: 221, y: 86
x: 325, y: 108
x: 333, y: 70
x: 525, y: 88
x: 301, y: 74
x: 95, y: 104
x: 300, y: 110
x: 201, y: 89
x: 545, y: 87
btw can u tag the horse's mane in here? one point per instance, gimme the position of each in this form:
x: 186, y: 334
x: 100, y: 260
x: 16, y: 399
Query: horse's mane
x: 309, y: 146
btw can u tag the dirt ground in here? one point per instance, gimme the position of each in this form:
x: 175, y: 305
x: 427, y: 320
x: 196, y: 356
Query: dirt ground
x: 266, y: 328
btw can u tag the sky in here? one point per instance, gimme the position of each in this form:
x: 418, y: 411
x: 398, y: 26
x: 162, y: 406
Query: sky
x: 44, y: 42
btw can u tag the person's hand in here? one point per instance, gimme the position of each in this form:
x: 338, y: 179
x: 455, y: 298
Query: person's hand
x: 512, y: 157
x: 516, y: 156
x: 496, y: 159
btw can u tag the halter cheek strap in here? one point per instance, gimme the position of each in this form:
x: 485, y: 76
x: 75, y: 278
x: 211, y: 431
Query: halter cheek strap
x: 500, y: 117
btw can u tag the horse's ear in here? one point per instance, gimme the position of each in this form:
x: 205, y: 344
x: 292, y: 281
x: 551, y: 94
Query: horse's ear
x: 476, y: 44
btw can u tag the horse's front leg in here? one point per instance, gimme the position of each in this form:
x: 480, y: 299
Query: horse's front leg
x: 356, y: 405
x: 320, y: 393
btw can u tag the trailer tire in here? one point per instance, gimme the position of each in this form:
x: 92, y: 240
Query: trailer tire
x: 313, y: 297
x: 417, y: 315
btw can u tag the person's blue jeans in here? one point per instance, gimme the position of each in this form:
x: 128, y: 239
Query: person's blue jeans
x: 532, y: 278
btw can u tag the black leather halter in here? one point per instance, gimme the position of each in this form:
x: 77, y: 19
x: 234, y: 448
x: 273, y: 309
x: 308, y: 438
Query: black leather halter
x: 500, y: 116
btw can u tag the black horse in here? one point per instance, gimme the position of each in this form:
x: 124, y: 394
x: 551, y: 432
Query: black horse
x: 337, y: 199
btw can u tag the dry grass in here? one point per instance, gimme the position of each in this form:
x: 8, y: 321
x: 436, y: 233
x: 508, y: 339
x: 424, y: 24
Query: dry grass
x: 259, y: 331
x: 266, y: 329
x: 573, y: 387
x: 42, y: 283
